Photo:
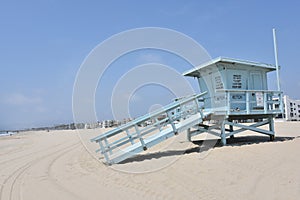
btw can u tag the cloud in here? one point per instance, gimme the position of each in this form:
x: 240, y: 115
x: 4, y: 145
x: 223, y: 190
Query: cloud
x: 19, y: 99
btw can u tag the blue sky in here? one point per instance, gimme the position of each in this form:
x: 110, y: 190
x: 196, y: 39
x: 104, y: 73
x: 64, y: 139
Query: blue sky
x: 43, y: 44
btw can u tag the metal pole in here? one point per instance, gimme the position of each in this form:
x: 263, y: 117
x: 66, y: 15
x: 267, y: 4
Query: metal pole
x: 276, y: 59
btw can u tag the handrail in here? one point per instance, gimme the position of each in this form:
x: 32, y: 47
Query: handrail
x: 236, y: 90
x: 146, y: 117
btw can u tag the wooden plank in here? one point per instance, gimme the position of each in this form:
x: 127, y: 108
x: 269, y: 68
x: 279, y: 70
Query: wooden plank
x: 252, y: 128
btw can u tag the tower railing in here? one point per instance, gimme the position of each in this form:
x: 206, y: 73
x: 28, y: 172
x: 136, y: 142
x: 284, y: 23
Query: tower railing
x: 248, y: 102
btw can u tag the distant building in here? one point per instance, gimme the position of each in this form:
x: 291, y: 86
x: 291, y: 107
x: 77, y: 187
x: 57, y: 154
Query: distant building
x: 92, y: 125
x: 291, y: 109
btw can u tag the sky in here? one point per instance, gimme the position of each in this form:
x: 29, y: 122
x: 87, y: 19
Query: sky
x: 43, y: 43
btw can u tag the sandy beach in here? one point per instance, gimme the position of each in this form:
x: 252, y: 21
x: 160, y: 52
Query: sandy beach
x: 63, y: 165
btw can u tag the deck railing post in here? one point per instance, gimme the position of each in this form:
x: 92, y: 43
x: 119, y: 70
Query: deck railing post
x: 280, y: 102
x: 228, y: 102
x: 265, y: 102
x: 198, y: 108
x: 247, y: 103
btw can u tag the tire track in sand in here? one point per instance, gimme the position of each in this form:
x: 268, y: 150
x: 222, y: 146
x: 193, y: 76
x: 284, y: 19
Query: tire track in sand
x: 29, y: 154
x: 15, y: 175
x: 53, y: 180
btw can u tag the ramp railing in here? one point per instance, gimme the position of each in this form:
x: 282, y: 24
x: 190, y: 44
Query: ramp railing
x: 146, y: 131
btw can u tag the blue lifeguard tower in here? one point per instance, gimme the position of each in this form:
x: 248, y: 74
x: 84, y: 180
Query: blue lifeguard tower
x: 237, y: 92
x: 233, y: 91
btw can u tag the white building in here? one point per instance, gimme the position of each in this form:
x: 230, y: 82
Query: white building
x: 291, y: 109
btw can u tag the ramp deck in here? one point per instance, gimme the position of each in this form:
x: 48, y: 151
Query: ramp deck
x: 126, y: 141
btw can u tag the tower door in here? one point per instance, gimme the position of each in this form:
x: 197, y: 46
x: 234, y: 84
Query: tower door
x: 256, y: 82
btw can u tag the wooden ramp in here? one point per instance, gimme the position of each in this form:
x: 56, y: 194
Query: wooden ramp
x: 134, y: 137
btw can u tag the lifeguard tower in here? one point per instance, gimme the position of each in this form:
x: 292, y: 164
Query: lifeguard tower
x: 233, y: 91
x: 237, y: 92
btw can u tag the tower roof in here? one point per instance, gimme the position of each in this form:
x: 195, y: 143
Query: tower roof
x: 194, y: 71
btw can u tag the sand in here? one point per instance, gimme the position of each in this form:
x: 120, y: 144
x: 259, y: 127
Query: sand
x: 59, y: 165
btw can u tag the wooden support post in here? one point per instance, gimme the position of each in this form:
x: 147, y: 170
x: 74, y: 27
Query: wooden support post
x: 271, y: 128
x: 223, y: 134
x: 188, y: 134
x: 231, y: 130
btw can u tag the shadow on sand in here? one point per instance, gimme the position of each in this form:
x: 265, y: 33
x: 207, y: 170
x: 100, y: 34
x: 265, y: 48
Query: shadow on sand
x: 205, y: 145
